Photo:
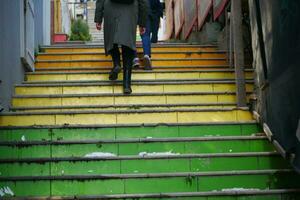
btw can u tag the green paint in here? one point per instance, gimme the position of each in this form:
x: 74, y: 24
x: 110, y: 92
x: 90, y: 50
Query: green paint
x: 144, y: 166
x: 127, y: 133
x: 122, y: 149
x: 153, y: 185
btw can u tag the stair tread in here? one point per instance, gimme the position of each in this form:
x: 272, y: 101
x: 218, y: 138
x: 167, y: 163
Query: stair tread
x: 146, y: 157
x: 134, y: 82
x: 231, y: 70
x: 149, y: 175
x: 235, y: 192
x: 122, y: 111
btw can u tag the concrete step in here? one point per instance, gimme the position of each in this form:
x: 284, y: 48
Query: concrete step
x: 156, y: 55
x: 41, y: 77
x: 160, y: 183
x: 137, y: 87
x: 155, y: 63
x: 20, y: 119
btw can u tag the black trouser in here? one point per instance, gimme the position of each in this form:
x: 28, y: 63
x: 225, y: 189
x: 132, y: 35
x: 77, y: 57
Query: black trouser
x: 127, y: 56
x: 154, y: 22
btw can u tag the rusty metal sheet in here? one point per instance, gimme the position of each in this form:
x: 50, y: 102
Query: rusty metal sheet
x: 190, y: 16
x: 169, y: 22
x: 178, y: 16
x: 219, y: 6
x: 204, y: 6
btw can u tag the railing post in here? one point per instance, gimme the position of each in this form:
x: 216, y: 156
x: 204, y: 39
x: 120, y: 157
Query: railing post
x: 236, y: 9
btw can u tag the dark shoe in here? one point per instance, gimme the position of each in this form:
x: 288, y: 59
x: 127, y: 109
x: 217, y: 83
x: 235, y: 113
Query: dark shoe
x: 113, y: 75
x: 127, y: 81
x: 147, y: 63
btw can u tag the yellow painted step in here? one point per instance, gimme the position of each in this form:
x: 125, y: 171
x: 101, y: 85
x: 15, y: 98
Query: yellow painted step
x: 115, y: 118
x: 145, y: 99
x: 123, y: 107
x: 155, y: 63
x: 137, y: 88
x: 153, y: 75
x: 101, y: 69
x: 98, y: 56
x: 101, y: 49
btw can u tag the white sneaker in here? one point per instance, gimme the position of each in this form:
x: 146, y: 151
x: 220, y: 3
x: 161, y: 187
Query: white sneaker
x: 136, y: 63
x: 147, y: 63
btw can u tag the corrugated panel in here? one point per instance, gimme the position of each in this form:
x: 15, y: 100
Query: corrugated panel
x: 190, y: 16
x: 169, y: 20
x: 178, y: 16
x: 219, y: 6
x: 204, y: 6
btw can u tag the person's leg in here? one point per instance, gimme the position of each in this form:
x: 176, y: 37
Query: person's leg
x: 154, y: 28
x: 128, y: 55
x: 115, y: 54
x: 146, y: 39
x: 147, y: 46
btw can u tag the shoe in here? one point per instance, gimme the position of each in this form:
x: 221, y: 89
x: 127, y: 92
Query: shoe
x: 147, y: 63
x: 113, y: 75
x: 127, y: 81
x: 136, y: 63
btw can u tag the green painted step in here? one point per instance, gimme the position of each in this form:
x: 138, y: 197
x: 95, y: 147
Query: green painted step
x: 230, y: 194
x: 133, y: 132
x: 139, y: 164
x: 136, y: 147
x: 106, y: 184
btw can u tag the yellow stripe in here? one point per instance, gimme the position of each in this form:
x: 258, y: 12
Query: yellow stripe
x: 126, y: 118
x: 128, y: 108
x: 154, y: 56
x: 123, y: 100
x: 101, y: 49
x: 209, y: 87
x: 136, y: 76
x: 158, y: 63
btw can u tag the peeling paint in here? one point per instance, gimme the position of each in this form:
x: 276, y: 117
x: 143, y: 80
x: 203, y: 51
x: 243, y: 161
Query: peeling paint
x: 6, y: 191
x: 239, y: 189
x: 99, y: 154
x: 23, y: 138
x: 169, y: 153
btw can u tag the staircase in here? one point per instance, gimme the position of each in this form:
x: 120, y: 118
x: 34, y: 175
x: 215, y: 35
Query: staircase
x: 97, y: 36
x: 72, y: 134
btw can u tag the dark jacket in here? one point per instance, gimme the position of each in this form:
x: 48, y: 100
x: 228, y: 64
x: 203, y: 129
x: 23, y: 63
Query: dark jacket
x: 120, y: 21
x: 156, y: 8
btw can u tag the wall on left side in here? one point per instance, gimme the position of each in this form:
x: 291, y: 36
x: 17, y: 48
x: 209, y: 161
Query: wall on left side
x: 11, y: 68
x: 13, y: 41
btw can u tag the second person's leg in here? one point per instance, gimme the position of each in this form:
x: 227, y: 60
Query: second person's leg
x: 127, y: 55
x: 147, y: 46
x: 115, y: 54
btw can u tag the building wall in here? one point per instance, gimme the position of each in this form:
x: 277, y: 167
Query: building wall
x: 278, y: 73
x: 13, y: 42
x: 11, y: 68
